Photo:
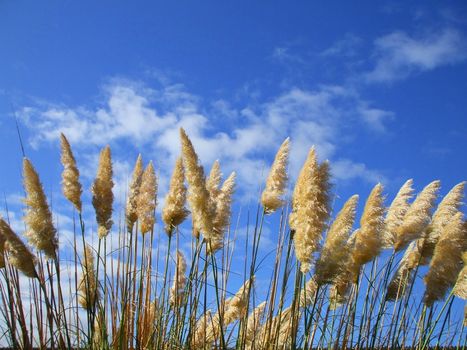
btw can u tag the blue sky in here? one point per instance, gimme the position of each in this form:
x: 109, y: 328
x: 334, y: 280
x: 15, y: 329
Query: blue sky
x: 379, y: 88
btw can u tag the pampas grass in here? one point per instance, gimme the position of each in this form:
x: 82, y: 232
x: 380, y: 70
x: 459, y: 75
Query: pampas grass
x: 142, y: 292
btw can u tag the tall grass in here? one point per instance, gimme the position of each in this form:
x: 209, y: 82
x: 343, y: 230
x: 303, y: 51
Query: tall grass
x: 326, y: 283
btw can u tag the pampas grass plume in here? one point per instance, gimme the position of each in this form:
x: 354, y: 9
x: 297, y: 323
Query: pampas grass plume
x: 87, y: 287
x: 310, y: 209
x: 102, y: 195
x: 174, y: 211
x: 71, y: 186
x: 417, y: 216
x: 133, y: 193
x: 202, y: 208
x: 146, y: 203
x: 271, y: 197
x: 18, y: 254
x: 40, y: 232
x: 447, y: 260
x: 460, y: 289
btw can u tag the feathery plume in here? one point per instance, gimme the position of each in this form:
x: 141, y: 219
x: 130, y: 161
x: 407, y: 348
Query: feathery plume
x: 417, y: 216
x: 404, y: 274
x: 396, y: 212
x: 18, y: 254
x: 339, y: 293
x: 237, y: 305
x: 102, y: 195
x: 223, y: 204
x: 41, y: 232
x: 178, y: 287
x: 368, y: 239
x: 2, y: 248
x: 448, y: 207
x: 146, y: 203
x: 202, y: 208
x: 310, y: 209
x: 133, y: 193
x: 71, y: 186
x: 447, y: 260
x: 277, y: 180
x: 253, y: 324
x: 336, y: 252
x: 199, y: 339
x: 460, y: 289
x: 174, y: 211
x: 214, y: 180
x: 307, y: 295
x: 87, y: 287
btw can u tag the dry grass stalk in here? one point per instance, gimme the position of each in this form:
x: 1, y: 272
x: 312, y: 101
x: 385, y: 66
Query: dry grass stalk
x: 71, y: 186
x: 202, y: 208
x: 310, y: 209
x: 335, y: 254
x: 396, y: 212
x: 339, y: 293
x: 368, y: 239
x: 18, y: 253
x: 446, y: 209
x: 178, y: 287
x: 271, y: 198
x: 102, y: 195
x: 40, y: 232
x: 174, y: 211
x: 417, y: 216
x: 148, y: 319
x: 460, y: 289
x: 133, y: 194
x: 447, y: 260
x: 146, y: 203
x: 87, y: 286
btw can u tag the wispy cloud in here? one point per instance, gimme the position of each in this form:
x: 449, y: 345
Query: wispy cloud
x: 399, y: 54
x: 347, y: 47
x: 244, y: 138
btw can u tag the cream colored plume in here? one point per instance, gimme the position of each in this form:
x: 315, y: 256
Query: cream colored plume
x: 18, y: 254
x: 71, y: 186
x: 223, y: 203
x: 446, y: 209
x: 417, y: 216
x: 40, y: 231
x: 200, y: 335
x: 2, y: 248
x: 335, y: 254
x: 202, y: 208
x: 339, y: 293
x: 253, y: 325
x: 460, y: 289
x: 310, y: 209
x: 87, y: 286
x: 368, y: 240
x: 133, y: 193
x: 447, y: 260
x: 396, y: 212
x: 146, y: 203
x: 404, y: 275
x: 271, y: 198
x: 177, y: 291
x: 214, y: 180
x: 236, y: 307
x: 102, y: 195
x: 307, y: 295
x: 174, y: 211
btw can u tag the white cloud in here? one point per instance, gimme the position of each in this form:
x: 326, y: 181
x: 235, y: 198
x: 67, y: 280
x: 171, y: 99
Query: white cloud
x: 346, y: 47
x: 244, y: 139
x: 399, y: 54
